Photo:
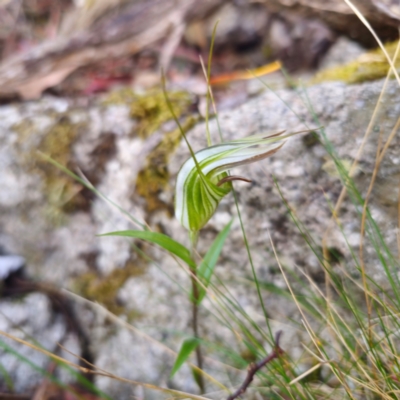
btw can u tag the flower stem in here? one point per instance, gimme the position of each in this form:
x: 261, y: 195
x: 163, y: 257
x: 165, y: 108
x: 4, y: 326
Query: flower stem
x: 195, y: 312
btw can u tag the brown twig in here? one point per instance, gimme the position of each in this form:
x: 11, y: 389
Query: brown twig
x: 254, y: 368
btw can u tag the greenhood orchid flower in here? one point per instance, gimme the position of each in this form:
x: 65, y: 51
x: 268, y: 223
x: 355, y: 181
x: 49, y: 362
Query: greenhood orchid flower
x: 204, y: 180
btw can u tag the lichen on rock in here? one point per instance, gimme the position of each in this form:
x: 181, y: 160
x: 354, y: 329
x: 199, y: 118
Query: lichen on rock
x: 370, y: 66
x: 57, y: 142
x: 151, y: 112
x: 149, y: 108
x: 104, y: 289
x: 154, y: 177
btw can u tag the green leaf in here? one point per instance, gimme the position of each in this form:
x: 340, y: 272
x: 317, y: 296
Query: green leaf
x: 207, y: 266
x: 162, y: 240
x: 187, y: 348
x: 197, y: 376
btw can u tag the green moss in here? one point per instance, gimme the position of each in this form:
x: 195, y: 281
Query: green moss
x: 150, y: 108
x: 59, y: 189
x: 369, y: 66
x: 154, y: 177
x: 150, y: 111
x: 104, y: 290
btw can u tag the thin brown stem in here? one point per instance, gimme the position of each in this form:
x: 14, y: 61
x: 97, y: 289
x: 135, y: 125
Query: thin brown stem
x: 254, y: 368
x: 231, y: 178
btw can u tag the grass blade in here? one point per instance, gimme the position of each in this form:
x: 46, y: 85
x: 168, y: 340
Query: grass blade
x: 188, y: 346
x: 206, y: 267
x: 160, y: 239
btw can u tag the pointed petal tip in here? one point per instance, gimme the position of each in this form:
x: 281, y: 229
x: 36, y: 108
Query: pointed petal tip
x: 231, y: 178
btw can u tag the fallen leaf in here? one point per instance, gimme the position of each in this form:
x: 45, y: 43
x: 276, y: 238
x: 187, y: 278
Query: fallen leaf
x: 249, y: 74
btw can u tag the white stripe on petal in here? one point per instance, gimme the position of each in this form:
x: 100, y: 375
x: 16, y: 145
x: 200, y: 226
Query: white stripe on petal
x: 214, y: 161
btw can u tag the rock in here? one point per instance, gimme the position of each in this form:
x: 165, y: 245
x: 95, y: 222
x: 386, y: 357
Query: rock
x: 263, y: 35
x: 382, y: 16
x: 56, y: 234
x: 10, y: 264
x: 342, y: 52
x: 27, y: 319
x: 300, y: 169
x: 239, y: 26
x: 299, y: 42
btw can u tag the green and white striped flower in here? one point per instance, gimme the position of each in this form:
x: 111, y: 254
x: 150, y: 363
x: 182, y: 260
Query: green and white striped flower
x: 203, y: 180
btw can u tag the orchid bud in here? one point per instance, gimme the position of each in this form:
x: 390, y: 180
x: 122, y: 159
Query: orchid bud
x: 203, y: 179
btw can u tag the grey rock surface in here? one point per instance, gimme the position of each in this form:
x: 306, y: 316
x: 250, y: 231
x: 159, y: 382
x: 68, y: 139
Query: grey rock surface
x: 305, y: 173
x: 30, y: 318
x: 62, y: 248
